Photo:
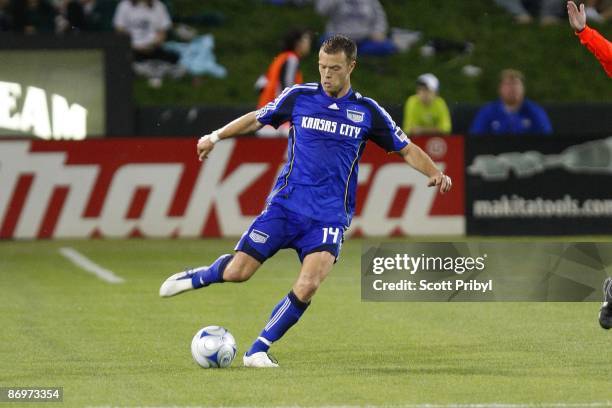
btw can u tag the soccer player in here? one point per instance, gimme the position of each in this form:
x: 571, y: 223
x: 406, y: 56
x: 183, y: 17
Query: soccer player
x: 595, y: 42
x: 602, y: 49
x: 313, y: 200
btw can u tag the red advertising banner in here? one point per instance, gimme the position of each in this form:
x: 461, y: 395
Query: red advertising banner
x: 158, y: 188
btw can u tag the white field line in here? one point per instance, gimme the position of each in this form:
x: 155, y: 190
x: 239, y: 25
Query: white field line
x: 90, y: 266
x: 475, y: 405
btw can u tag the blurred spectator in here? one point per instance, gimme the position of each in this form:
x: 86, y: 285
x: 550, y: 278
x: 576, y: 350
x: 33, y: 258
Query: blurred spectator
x: 512, y: 113
x: 6, y: 18
x: 426, y: 112
x: 284, y: 71
x: 147, y: 23
x: 33, y: 16
x: 85, y: 15
x: 598, y: 11
x: 365, y: 22
x: 99, y: 14
x: 197, y: 58
x: 549, y: 10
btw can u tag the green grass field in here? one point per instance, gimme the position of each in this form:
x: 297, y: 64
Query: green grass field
x: 120, y: 344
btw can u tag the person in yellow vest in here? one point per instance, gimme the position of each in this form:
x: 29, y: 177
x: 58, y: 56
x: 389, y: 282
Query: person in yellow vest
x: 426, y: 112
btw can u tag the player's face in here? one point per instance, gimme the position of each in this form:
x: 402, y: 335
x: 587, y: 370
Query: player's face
x: 512, y: 91
x: 335, y: 70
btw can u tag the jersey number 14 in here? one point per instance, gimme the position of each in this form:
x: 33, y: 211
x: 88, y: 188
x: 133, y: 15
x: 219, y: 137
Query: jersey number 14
x: 331, y: 233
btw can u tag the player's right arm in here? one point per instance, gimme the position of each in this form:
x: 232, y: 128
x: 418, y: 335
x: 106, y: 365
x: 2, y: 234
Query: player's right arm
x: 245, y: 124
x: 274, y: 113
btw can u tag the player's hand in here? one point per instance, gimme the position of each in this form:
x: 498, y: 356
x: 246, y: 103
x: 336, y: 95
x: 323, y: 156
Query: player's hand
x: 204, y: 147
x: 441, y: 180
x: 577, y: 18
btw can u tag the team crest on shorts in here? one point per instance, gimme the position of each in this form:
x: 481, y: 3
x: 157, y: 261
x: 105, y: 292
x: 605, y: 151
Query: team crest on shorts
x: 355, y: 116
x: 258, y: 236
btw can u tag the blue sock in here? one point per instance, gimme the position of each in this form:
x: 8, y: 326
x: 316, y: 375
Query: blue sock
x: 206, y: 275
x: 284, y: 315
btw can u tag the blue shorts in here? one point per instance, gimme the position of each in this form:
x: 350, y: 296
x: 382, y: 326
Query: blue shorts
x: 278, y: 228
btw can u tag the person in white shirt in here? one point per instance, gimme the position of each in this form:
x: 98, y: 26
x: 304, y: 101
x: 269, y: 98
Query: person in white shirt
x: 146, y: 22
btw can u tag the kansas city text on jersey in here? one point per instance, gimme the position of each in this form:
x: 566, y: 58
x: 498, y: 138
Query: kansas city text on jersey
x: 330, y: 126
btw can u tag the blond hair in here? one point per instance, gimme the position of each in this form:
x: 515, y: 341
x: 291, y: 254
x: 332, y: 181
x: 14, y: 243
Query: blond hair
x: 510, y: 73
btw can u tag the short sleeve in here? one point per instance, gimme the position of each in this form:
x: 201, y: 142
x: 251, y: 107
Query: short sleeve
x: 162, y: 16
x: 279, y: 110
x: 384, y: 132
x: 119, y: 19
x: 380, y: 18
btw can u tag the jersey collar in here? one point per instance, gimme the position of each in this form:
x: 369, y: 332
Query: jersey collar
x: 348, y: 95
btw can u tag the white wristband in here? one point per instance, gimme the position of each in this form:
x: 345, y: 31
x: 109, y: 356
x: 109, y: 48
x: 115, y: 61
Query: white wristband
x: 214, y: 136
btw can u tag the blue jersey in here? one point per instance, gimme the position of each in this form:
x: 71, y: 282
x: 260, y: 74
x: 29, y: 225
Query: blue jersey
x: 326, y: 141
x: 494, y: 119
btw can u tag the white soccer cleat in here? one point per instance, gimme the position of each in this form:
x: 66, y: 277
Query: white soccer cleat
x: 177, y: 283
x: 258, y: 360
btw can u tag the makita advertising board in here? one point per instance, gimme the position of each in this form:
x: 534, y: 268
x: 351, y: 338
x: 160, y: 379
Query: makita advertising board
x: 158, y: 188
x: 538, y: 185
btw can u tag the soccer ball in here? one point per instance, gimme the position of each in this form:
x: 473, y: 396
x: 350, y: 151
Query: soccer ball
x: 213, y: 347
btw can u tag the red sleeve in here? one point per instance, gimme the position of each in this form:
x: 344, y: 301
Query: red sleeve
x: 599, y: 46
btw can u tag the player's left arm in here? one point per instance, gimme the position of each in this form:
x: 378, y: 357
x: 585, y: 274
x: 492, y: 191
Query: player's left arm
x: 419, y: 160
x: 385, y: 133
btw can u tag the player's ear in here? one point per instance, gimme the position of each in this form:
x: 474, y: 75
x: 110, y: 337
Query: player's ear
x: 352, y: 65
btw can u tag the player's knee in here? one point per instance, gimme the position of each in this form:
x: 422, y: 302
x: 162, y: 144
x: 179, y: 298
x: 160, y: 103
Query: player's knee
x: 314, y: 270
